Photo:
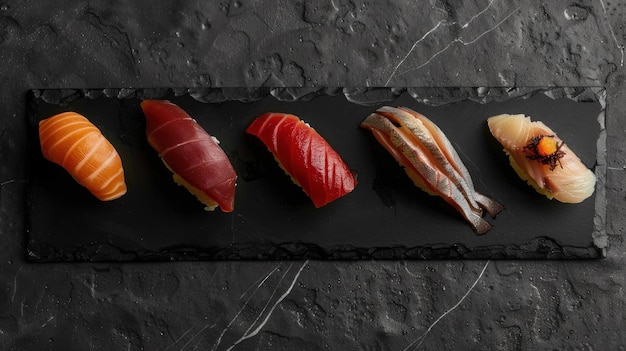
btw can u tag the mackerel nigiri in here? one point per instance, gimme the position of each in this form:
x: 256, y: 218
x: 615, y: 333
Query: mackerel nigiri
x: 305, y: 156
x: 431, y: 161
x: 71, y: 141
x: 541, y: 158
x: 194, y: 156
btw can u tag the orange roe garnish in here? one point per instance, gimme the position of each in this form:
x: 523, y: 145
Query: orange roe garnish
x: 546, y: 146
x: 545, y: 149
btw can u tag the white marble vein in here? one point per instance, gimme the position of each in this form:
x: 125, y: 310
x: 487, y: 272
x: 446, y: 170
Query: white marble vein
x: 179, y: 339
x: 251, y: 333
x: 15, y: 283
x: 413, y: 48
x: 48, y: 321
x: 258, y: 285
x: 205, y: 327
x: 478, y: 14
x: 458, y: 39
x: 619, y: 46
x: 262, y: 318
x: 422, y: 337
x: 406, y: 268
x: 6, y: 182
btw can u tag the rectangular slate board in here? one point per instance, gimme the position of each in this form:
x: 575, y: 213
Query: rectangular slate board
x: 385, y: 217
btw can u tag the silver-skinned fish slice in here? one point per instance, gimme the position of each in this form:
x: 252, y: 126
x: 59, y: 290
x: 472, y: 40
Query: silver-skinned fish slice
x: 414, y: 146
x: 445, y: 146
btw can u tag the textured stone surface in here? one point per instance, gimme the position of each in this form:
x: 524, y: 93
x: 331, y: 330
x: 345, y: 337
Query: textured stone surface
x: 505, y: 305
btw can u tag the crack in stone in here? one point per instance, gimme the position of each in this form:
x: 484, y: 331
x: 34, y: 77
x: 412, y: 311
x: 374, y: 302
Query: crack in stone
x: 90, y: 12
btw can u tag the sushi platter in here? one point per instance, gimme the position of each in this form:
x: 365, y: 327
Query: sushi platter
x: 381, y: 214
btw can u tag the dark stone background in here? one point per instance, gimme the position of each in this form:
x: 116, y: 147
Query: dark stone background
x: 312, y: 305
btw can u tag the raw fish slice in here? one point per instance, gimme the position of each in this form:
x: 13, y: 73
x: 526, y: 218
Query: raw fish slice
x: 491, y: 206
x: 71, y: 141
x: 444, y: 154
x: 541, y: 158
x: 420, y: 167
x: 305, y: 156
x: 430, y: 161
x: 195, y: 158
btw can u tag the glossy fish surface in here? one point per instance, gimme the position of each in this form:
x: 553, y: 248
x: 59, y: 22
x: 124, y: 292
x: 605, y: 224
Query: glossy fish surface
x: 305, y: 156
x: 191, y: 153
x: 73, y: 142
x: 429, y: 159
x: 541, y: 158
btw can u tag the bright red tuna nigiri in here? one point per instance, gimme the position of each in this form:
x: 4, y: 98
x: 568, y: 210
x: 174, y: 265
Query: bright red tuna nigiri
x: 195, y: 158
x: 305, y: 156
x: 71, y: 141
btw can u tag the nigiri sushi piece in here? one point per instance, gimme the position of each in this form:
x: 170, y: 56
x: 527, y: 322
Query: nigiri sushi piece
x: 431, y: 161
x: 541, y: 158
x: 305, y: 156
x: 193, y: 155
x: 73, y: 142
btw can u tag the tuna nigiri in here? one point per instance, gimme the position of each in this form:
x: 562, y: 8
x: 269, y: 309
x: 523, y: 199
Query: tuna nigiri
x: 430, y: 161
x: 305, y: 156
x: 541, y: 158
x: 71, y: 141
x: 194, y: 156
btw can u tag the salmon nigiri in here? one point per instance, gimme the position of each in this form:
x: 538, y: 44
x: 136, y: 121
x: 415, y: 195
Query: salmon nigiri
x: 305, y: 156
x: 192, y: 154
x: 431, y: 161
x: 541, y: 158
x: 71, y: 141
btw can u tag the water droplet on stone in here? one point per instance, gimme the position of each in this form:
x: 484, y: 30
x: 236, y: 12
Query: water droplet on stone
x: 575, y: 13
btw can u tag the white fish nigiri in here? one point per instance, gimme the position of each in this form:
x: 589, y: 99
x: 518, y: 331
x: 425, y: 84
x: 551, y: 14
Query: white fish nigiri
x: 541, y: 158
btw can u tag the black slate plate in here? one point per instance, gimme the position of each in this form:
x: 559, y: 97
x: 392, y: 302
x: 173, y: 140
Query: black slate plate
x: 385, y: 217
